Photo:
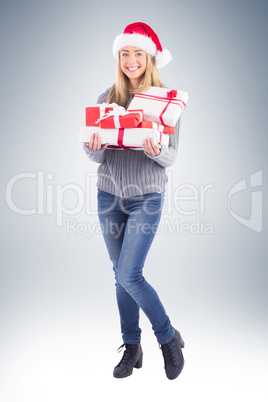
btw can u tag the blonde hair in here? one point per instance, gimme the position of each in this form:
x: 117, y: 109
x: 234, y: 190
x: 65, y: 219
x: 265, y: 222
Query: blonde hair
x: 120, y: 90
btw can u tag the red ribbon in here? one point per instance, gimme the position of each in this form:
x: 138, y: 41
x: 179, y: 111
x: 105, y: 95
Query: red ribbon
x: 170, y: 95
x: 120, y: 139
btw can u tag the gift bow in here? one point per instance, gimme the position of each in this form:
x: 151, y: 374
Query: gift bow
x: 172, y: 94
x: 103, y: 106
x: 116, y: 112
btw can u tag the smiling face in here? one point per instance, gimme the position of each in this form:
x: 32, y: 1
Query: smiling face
x: 133, y: 64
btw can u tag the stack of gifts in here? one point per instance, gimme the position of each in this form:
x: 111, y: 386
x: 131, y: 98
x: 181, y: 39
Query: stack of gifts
x: 150, y: 114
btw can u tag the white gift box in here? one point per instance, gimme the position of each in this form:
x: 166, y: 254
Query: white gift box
x: 128, y: 138
x: 160, y: 105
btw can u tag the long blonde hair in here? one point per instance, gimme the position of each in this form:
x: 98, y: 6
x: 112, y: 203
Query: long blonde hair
x: 120, y: 90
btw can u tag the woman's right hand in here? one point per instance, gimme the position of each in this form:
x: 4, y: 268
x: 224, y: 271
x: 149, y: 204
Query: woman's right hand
x: 95, y: 143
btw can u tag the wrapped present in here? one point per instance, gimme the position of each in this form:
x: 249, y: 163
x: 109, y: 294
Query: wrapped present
x: 119, y: 117
x: 126, y: 138
x: 96, y: 112
x: 160, y: 105
x: 159, y: 127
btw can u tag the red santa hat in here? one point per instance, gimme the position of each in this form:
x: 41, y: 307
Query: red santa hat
x: 142, y: 36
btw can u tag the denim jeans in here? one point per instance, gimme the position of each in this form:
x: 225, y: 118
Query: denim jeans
x: 129, y: 226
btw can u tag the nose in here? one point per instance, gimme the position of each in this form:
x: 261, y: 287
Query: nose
x: 132, y: 59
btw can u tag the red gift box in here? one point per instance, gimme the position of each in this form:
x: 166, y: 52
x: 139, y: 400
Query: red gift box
x: 96, y: 112
x: 121, y: 118
x: 159, y: 127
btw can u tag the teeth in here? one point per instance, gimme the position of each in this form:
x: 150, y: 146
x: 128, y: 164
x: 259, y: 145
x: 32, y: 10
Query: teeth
x: 133, y: 68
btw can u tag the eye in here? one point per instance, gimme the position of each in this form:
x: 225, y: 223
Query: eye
x: 139, y: 54
x: 124, y: 54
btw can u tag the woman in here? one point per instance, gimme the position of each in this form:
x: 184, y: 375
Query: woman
x: 131, y: 186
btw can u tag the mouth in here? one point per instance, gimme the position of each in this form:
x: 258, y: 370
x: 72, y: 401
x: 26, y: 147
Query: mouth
x: 132, y: 69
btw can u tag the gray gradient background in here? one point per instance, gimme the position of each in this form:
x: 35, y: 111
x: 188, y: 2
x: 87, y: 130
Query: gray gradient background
x: 58, y: 309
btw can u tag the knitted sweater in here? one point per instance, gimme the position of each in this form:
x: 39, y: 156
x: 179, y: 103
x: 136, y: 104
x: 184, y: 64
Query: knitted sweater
x: 129, y: 173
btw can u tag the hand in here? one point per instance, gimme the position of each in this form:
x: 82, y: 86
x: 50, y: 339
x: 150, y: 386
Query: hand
x: 151, y: 147
x: 95, y: 143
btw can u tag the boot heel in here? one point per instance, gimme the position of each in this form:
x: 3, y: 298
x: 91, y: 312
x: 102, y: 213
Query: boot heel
x: 139, y: 363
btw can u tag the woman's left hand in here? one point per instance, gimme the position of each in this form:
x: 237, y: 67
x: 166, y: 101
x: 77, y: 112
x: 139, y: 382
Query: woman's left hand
x: 150, y: 147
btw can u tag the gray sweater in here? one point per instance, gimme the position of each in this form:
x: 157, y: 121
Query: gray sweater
x: 129, y: 173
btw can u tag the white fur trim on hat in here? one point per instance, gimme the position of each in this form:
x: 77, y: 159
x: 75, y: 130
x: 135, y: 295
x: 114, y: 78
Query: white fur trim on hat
x: 140, y: 41
x: 162, y: 58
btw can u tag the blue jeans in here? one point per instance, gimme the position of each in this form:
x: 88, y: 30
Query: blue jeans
x: 129, y: 226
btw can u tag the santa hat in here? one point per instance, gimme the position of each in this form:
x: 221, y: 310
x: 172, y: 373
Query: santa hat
x: 142, y: 36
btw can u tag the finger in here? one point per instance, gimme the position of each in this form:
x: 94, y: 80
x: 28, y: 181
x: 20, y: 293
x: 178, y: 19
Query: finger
x: 147, y: 147
x: 90, y: 144
x: 150, y: 146
x: 98, y: 142
x: 104, y: 146
x: 154, y: 144
x: 144, y: 145
x: 95, y: 141
x: 156, y: 147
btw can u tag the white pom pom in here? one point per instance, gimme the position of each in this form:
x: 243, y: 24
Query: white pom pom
x: 163, y: 58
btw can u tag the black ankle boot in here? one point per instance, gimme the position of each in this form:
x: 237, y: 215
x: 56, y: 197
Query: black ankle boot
x: 173, y: 356
x: 132, y: 358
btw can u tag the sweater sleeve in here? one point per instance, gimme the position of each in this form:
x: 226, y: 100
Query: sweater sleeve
x: 97, y: 156
x: 168, y: 154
